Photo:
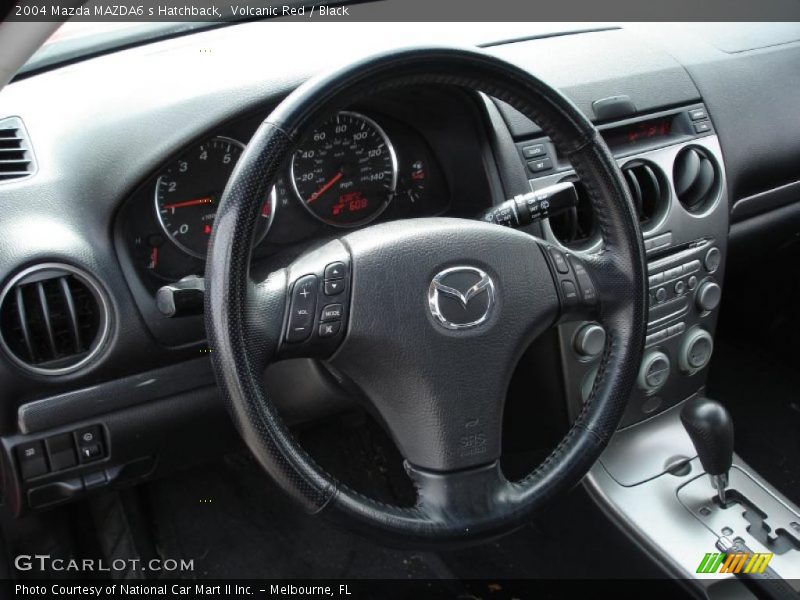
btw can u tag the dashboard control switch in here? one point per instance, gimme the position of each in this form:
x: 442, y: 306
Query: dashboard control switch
x: 301, y: 315
x: 533, y: 150
x: 698, y: 114
x: 590, y: 340
x: 32, y: 461
x: 702, y: 126
x: 654, y: 372
x: 61, y: 451
x: 90, y: 453
x: 708, y: 296
x: 712, y: 260
x: 696, y: 349
x: 541, y: 164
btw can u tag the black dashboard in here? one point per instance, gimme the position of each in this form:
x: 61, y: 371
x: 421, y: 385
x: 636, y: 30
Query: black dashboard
x: 106, y: 203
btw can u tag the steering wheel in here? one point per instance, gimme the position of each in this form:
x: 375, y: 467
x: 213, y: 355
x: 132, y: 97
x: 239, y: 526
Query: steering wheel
x: 435, y: 314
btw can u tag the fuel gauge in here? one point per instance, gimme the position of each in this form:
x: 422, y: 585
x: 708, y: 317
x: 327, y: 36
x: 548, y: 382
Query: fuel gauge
x: 413, y: 181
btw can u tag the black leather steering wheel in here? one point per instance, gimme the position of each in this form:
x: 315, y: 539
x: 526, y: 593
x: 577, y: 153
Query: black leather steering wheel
x: 439, y: 390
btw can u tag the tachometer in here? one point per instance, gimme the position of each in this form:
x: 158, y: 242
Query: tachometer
x: 345, y: 172
x: 189, y: 190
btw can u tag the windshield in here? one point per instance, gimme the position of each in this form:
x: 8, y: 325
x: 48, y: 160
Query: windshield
x: 75, y: 40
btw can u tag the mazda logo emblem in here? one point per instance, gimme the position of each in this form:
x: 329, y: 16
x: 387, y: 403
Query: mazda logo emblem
x: 461, y: 297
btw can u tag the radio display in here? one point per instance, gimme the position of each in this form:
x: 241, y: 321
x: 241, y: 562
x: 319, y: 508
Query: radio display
x: 638, y: 132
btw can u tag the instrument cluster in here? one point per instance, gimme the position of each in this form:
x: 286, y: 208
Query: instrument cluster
x: 353, y: 169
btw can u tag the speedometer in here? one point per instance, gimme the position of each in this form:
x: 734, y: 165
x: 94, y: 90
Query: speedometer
x: 345, y: 172
x: 189, y: 190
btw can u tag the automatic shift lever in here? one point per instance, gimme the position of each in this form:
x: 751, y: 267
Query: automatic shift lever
x: 710, y: 427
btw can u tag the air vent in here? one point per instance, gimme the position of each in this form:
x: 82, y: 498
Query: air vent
x: 53, y: 319
x: 16, y: 156
x: 696, y: 178
x: 576, y: 228
x: 649, y: 191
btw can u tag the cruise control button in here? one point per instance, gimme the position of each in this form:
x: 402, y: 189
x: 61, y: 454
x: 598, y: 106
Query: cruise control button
x: 335, y: 270
x: 570, y: 293
x: 584, y: 281
x: 329, y: 329
x: 334, y: 287
x: 331, y: 312
x: 301, y: 313
x: 559, y: 261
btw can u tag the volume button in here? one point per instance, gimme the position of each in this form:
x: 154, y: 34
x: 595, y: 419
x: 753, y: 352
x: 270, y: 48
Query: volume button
x: 303, y: 309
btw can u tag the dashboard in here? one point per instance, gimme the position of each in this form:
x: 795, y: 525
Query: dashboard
x: 124, y: 183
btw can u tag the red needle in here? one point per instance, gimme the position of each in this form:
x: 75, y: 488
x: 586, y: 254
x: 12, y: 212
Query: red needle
x: 195, y: 202
x: 326, y: 187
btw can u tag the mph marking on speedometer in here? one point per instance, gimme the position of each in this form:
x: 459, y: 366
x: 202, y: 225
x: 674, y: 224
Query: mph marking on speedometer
x: 345, y: 172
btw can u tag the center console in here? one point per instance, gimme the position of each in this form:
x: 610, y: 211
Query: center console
x: 673, y: 166
x: 650, y: 479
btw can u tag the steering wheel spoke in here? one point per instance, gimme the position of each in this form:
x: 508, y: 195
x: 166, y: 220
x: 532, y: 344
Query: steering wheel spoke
x: 318, y: 302
x: 461, y: 497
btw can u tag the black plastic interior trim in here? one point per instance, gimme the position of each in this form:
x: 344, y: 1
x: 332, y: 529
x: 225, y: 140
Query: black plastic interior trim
x: 114, y: 395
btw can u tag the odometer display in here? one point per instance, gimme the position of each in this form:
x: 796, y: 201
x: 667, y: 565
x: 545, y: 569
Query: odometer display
x: 345, y: 172
x: 189, y: 190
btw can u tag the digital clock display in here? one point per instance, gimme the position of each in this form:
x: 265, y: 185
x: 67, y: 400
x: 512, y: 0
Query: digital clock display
x: 638, y: 132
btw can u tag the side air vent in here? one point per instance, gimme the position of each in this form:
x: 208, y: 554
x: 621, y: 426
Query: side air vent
x: 649, y: 190
x: 53, y: 319
x: 16, y: 155
x: 576, y: 227
x: 696, y: 178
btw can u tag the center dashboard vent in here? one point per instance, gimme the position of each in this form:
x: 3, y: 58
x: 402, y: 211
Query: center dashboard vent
x: 696, y: 178
x: 54, y: 319
x: 576, y: 228
x: 16, y: 155
x: 649, y: 190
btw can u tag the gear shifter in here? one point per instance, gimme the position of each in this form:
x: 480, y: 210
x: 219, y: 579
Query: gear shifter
x: 710, y: 428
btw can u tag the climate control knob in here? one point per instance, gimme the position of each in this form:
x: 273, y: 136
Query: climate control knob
x: 708, y: 296
x: 654, y: 372
x: 696, y: 350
